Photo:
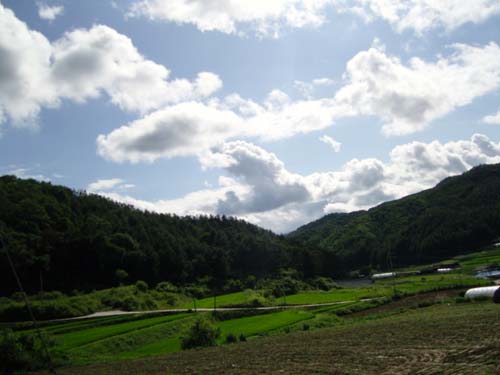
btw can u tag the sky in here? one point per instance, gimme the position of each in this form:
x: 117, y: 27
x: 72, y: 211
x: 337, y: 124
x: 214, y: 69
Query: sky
x: 277, y: 112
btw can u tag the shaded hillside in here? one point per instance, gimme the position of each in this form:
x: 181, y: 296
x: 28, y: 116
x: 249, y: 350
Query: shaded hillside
x: 460, y: 214
x: 63, y: 239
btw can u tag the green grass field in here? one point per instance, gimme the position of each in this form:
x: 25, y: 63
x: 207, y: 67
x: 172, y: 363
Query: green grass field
x: 112, y: 339
x: 444, y: 338
x: 231, y: 299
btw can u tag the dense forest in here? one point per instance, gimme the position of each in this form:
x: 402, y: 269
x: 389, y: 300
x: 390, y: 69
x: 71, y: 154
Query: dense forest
x: 62, y: 239
x: 460, y: 214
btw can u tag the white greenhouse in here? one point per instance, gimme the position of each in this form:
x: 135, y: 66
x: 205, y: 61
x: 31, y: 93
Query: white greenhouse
x: 386, y: 275
x: 492, y: 292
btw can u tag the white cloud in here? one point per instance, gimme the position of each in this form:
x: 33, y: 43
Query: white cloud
x: 335, y: 145
x: 422, y: 15
x: 492, y: 119
x: 26, y: 173
x: 409, y: 97
x: 323, y: 82
x: 83, y: 64
x: 260, y: 189
x: 269, y: 18
x: 115, y: 184
x: 264, y: 18
x: 270, y: 184
x: 49, y: 13
x: 308, y: 89
x: 406, y: 97
x: 185, y: 129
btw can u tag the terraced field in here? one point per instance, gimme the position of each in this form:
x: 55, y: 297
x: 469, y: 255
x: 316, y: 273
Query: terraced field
x: 372, y: 328
x: 440, y: 339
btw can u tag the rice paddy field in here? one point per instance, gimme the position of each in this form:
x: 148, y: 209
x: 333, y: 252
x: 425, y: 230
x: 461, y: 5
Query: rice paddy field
x: 408, y: 325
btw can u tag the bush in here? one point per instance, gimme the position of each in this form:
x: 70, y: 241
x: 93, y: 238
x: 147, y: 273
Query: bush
x: 233, y: 285
x: 242, y: 337
x: 121, y: 276
x: 130, y: 303
x: 141, y: 286
x: 24, y: 352
x: 203, y: 333
x: 323, y: 283
x: 196, y: 291
x: 49, y: 295
x: 231, y: 338
x: 305, y: 327
x: 166, y: 287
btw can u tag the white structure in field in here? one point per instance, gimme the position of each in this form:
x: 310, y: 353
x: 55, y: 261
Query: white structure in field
x: 492, y: 292
x: 386, y: 275
x: 443, y: 270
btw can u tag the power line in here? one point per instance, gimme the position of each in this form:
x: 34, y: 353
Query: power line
x: 28, y: 306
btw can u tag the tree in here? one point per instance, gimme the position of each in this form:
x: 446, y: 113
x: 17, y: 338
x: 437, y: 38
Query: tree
x: 201, y: 334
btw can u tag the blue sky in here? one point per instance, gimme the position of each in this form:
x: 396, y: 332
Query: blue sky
x: 275, y: 112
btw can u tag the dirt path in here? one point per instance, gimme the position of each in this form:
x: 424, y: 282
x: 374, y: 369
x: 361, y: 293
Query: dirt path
x: 179, y: 311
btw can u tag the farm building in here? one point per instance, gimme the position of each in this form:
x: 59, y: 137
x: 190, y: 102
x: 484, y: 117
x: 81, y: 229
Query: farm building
x: 492, y: 292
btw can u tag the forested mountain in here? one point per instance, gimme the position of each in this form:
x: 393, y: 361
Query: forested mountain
x: 460, y: 214
x: 63, y: 239
x: 69, y: 240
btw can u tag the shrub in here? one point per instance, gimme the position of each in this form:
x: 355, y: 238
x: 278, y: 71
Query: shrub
x: 305, y: 327
x: 233, y: 285
x: 24, y: 352
x: 323, y: 283
x: 201, y: 334
x: 197, y: 291
x: 166, y: 287
x: 49, y: 295
x: 231, y: 338
x: 130, y: 303
x: 141, y: 286
x: 121, y: 276
x: 242, y: 337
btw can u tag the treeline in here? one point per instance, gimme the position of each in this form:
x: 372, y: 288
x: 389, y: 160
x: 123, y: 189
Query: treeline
x: 62, y: 239
x: 460, y: 214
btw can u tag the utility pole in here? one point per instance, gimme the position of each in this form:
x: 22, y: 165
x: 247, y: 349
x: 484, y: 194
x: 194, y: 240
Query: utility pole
x: 28, y: 306
x: 389, y: 263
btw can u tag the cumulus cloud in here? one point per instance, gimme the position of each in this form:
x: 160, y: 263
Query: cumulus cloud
x: 186, y: 129
x: 269, y: 18
x: 264, y: 18
x: 331, y: 142
x: 83, y: 64
x: 49, y: 13
x: 260, y: 189
x: 422, y: 15
x: 25, y: 173
x: 492, y: 119
x: 270, y: 184
x: 111, y: 184
x: 308, y: 89
x: 406, y: 97
x: 409, y: 97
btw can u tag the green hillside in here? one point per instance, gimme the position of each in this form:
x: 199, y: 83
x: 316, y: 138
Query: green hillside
x: 460, y: 214
x: 62, y: 239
